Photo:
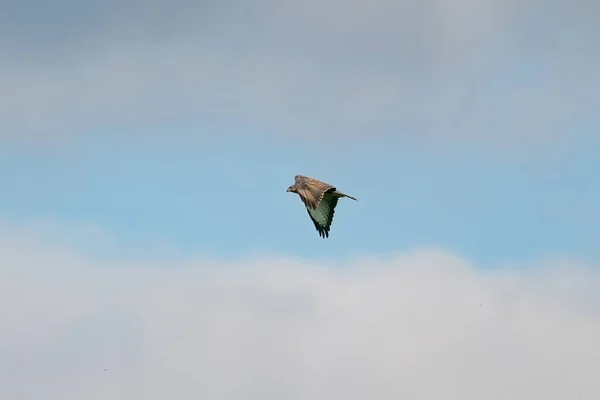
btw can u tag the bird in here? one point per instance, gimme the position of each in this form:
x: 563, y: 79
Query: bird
x: 320, y: 200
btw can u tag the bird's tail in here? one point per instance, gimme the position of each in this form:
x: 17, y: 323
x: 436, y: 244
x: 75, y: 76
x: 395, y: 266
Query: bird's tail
x: 337, y: 193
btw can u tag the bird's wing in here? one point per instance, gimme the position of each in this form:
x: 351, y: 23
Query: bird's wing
x: 322, y: 216
x: 311, y: 191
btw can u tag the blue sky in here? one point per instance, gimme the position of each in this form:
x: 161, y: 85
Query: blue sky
x: 228, y: 197
x: 475, y: 134
x: 148, y: 245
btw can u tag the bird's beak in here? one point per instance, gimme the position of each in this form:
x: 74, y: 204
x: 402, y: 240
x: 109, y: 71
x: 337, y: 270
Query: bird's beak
x: 287, y: 190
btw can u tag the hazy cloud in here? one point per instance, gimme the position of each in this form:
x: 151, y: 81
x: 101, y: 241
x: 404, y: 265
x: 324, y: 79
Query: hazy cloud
x: 497, y: 70
x: 422, y: 325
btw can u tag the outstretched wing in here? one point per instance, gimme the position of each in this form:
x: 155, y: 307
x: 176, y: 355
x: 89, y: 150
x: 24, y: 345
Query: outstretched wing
x: 322, y: 216
x: 311, y: 191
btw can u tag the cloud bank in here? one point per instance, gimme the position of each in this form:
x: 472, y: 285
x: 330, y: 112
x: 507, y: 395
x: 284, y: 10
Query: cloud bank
x: 493, y: 71
x: 425, y: 324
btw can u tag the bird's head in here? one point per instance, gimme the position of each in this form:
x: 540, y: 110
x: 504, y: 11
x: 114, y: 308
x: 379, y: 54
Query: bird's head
x: 292, y: 189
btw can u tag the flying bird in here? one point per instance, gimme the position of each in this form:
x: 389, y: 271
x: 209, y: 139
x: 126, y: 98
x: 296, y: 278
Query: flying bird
x: 320, y: 199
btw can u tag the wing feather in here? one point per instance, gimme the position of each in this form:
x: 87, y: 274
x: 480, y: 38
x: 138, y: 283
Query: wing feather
x: 322, y: 216
x: 311, y: 190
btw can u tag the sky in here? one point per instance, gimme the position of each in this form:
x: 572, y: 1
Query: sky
x: 148, y: 245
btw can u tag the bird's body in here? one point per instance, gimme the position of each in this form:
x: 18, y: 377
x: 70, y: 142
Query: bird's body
x: 320, y: 200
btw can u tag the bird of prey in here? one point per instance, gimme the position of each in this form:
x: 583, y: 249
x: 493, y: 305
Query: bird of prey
x: 320, y: 199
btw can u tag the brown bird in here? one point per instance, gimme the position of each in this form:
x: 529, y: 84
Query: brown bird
x: 320, y: 199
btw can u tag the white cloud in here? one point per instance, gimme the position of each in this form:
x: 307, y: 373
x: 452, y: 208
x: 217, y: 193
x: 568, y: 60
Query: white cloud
x: 421, y: 325
x: 495, y: 71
